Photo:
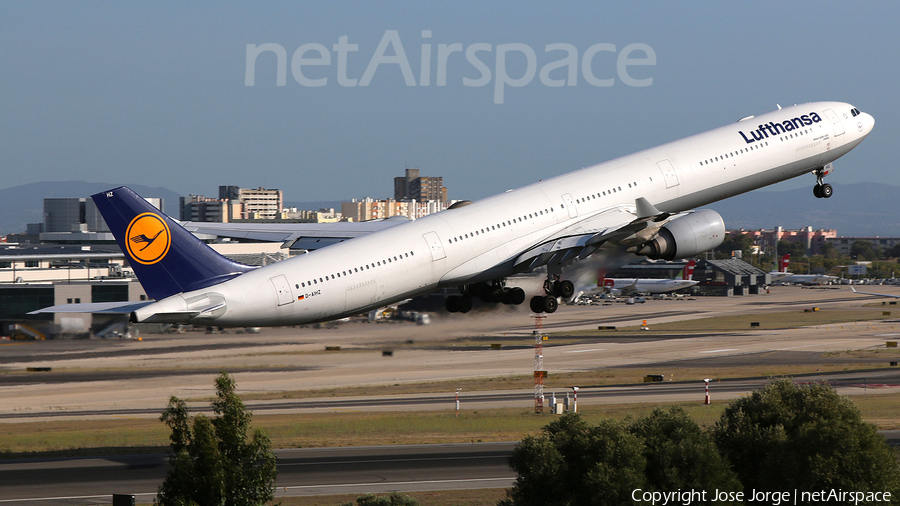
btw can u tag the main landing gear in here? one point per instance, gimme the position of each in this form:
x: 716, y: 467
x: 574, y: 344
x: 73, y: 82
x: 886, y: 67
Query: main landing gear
x: 822, y: 189
x: 493, y: 292
x: 554, y: 287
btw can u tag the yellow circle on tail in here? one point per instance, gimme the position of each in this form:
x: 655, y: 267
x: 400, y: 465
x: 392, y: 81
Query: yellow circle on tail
x: 147, y: 238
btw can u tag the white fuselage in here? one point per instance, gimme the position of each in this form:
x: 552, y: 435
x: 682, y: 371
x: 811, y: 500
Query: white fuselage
x: 641, y: 285
x: 811, y: 279
x: 481, y: 241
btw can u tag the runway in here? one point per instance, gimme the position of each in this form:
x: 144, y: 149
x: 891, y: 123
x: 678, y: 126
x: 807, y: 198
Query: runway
x: 301, y: 472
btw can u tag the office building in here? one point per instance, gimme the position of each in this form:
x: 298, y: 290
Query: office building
x: 414, y: 186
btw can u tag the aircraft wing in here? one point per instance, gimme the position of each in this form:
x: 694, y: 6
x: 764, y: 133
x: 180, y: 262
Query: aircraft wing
x: 308, y: 236
x: 629, y: 289
x: 625, y: 225
x: 879, y: 294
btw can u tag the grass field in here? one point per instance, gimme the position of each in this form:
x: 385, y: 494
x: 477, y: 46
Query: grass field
x: 128, y: 436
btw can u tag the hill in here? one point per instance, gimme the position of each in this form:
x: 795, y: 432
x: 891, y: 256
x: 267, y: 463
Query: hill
x: 20, y: 205
x: 855, y: 210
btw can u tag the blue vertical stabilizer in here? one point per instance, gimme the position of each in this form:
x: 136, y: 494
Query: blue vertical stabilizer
x: 166, y: 258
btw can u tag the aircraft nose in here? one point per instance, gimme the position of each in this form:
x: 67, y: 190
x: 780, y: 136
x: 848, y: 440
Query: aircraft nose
x: 865, y: 123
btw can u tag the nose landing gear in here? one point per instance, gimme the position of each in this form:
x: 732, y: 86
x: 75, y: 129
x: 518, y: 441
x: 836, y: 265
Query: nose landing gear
x: 822, y: 189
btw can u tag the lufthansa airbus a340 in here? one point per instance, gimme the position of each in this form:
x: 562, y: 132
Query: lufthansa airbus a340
x: 643, y: 203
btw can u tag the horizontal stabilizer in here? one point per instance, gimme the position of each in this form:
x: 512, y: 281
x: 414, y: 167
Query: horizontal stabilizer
x: 96, y: 307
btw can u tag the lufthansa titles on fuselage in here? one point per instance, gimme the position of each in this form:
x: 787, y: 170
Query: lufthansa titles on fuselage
x: 772, y: 129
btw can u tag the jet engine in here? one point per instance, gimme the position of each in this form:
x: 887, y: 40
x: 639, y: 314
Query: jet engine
x: 685, y: 236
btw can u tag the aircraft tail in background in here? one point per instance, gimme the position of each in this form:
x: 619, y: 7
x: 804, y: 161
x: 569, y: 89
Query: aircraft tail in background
x: 687, y: 273
x: 783, y: 263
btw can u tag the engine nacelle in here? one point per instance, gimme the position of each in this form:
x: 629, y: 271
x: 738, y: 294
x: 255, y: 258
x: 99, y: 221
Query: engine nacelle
x: 685, y: 237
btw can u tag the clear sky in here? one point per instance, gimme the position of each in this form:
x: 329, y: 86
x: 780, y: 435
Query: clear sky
x: 157, y: 93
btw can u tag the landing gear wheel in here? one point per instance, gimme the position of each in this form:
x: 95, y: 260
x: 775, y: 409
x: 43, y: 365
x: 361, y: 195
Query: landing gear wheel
x: 550, y: 304
x: 516, y: 296
x: 544, y: 304
x: 452, y: 303
x: 537, y: 304
x: 464, y: 305
x: 822, y: 189
x: 566, y: 289
x: 495, y: 295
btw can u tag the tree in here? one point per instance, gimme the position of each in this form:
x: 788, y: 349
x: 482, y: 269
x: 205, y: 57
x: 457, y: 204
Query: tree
x: 735, y: 242
x: 893, y: 251
x: 863, y: 250
x: 808, y: 438
x: 575, y: 463
x: 680, y: 456
x: 795, y: 249
x: 212, y: 461
x: 395, y: 499
x: 827, y: 250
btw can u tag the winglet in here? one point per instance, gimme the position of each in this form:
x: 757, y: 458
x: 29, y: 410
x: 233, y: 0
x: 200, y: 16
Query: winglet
x: 645, y: 209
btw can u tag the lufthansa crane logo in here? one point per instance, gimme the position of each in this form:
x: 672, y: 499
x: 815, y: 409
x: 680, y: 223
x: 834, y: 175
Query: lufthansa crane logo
x: 148, y: 238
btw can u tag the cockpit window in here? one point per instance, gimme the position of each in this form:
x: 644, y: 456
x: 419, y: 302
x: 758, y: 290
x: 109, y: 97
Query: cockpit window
x: 855, y: 112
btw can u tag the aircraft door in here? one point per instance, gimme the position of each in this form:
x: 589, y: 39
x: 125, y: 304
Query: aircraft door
x: 283, y: 290
x: 570, y: 205
x: 361, y: 295
x: 434, y: 244
x: 835, y: 122
x: 668, y: 172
